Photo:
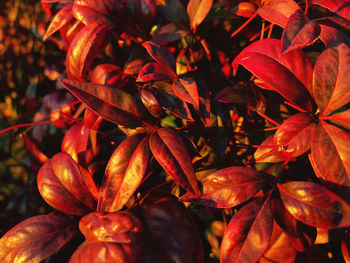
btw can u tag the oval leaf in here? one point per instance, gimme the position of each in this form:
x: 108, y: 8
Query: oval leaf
x: 186, y: 89
x: 36, y: 238
x: 197, y: 10
x: 153, y: 71
x: 59, y: 20
x: 299, y: 32
x: 62, y: 186
x: 228, y: 187
x: 161, y: 54
x: 248, y: 234
x: 86, y: 45
x: 314, y: 205
x: 124, y: 173
x: 114, y: 105
x: 170, y: 151
x: 294, y: 70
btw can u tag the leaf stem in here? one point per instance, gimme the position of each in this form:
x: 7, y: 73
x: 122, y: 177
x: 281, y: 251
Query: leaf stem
x: 25, y: 125
x: 268, y: 118
x: 244, y: 24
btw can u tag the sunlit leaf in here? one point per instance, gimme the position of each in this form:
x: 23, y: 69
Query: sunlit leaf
x: 59, y: 20
x: 187, y: 90
x: 197, y: 10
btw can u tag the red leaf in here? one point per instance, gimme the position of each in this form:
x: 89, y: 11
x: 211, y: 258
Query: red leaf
x: 244, y: 9
x: 197, y: 10
x: 299, y: 32
x: 151, y: 103
x: 340, y: 7
x: 314, y: 205
x: 278, y: 12
x: 169, y: 149
x: 120, y: 227
x: 295, y: 134
x: 248, y: 234
x: 36, y: 238
x: 331, y: 79
x: 235, y: 94
x: 59, y: 20
x: 186, y: 89
x: 172, y: 10
x: 75, y: 140
x: 114, y: 105
x: 269, y: 153
x: 168, y: 33
x: 172, y: 230
x: 107, y: 74
x: 86, y: 45
x: 228, y: 187
x: 97, y: 252
x: 125, y: 170
x: 62, y: 186
x: 330, y: 154
x: 294, y: 70
x: 153, y: 71
x: 161, y: 55
x: 345, y: 249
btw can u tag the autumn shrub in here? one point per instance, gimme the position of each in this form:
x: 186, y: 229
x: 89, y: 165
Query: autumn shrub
x: 192, y: 131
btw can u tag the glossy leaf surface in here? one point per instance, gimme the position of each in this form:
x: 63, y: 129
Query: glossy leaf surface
x: 59, y: 20
x: 248, y: 234
x: 268, y: 152
x: 314, y: 205
x: 36, y: 238
x: 187, y: 90
x: 170, y: 151
x: 299, y: 32
x: 293, y: 68
x: 331, y: 78
x: 125, y: 170
x: 84, y: 48
x: 114, y: 105
x: 153, y: 71
x: 197, y: 10
x: 228, y: 187
x: 62, y: 186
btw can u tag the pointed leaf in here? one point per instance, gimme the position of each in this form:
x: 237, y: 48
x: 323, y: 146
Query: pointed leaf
x: 176, y: 240
x: 228, y: 187
x: 330, y: 154
x: 197, y: 10
x: 59, y: 20
x: 314, y: 205
x: 114, y: 105
x: 170, y: 151
x: 294, y: 70
x: 168, y: 33
x: 84, y: 48
x: 186, y: 89
x: 62, y: 186
x: 248, y: 234
x: 153, y: 71
x: 299, y: 32
x: 340, y: 7
x: 151, y: 103
x: 331, y: 79
x: 120, y: 227
x: 124, y: 173
x: 36, y: 238
x: 295, y: 134
x: 278, y: 12
x: 161, y: 54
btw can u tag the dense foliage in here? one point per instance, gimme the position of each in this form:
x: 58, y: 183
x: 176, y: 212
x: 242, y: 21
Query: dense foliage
x: 183, y: 131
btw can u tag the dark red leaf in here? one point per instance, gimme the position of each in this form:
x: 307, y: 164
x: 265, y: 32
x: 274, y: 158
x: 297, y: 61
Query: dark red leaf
x: 295, y: 134
x: 161, y: 54
x: 107, y: 74
x: 124, y: 173
x: 235, y: 94
x: 299, y: 32
x: 36, y: 238
x: 340, y: 7
x: 120, y: 227
x: 151, y: 103
x: 331, y: 79
x: 197, y: 10
x: 294, y: 70
x: 228, y: 187
x: 330, y: 154
x: 114, y: 105
x: 59, y: 20
x: 89, y: 42
x: 186, y: 89
x: 314, y: 205
x: 278, y: 12
x: 170, y: 151
x: 168, y: 33
x: 172, y: 10
x: 153, y: 71
x: 172, y: 230
x: 62, y: 186
x: 97, y: 252
x: 248, y: 234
